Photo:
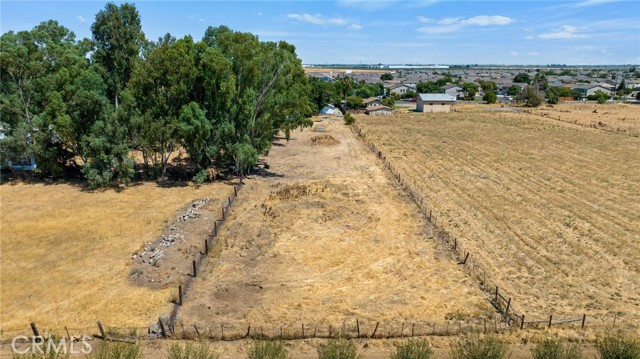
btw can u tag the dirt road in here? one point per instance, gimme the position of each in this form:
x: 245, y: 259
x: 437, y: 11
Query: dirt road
x: 325, y: 237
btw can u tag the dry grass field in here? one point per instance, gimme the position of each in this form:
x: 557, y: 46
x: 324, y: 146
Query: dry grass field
x: 550, y: 211
x: 66, y: 254
x: 613, y: 117
x: 324, y: 239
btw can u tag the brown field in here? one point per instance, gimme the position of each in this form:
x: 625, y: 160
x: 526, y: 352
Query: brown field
x: 326, y: 238
x: 66, y: 254
x: 613, y: 117
x: 549, y: 212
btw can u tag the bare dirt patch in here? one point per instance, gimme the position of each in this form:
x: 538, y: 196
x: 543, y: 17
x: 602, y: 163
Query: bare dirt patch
x: 551, y: 210
x: 326, y: 238
x: 324, y: 140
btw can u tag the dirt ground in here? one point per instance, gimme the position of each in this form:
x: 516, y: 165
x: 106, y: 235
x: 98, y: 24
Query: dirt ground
x: 322, y: 239
x: 550, y: 210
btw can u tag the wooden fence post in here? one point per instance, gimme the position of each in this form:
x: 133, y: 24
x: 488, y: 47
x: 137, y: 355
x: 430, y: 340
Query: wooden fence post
x: 508, y: 306
x: 164, y: 332
x: 194, y: 268
x: 104, y: 336
x: 584, y: 319
x: 413, y: 325
x: 358, y: 327
x: 522, y: 322
x: 302, y: 330
x: 429, y: 215
x: 215, y: 228
x: 402, y: 330
x: 235, y: 191
x: 550, y: 318
x: 229, y: 202
x: 496, y: 300
x: 375, y: 330
x: 34, y: 329
x: 206, y: 247
x: 222, y: 210
x: 180, y: 295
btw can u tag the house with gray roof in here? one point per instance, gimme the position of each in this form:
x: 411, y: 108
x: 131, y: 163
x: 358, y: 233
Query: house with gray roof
x: 434, y: 102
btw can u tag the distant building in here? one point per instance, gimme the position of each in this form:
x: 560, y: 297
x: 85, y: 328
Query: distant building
x: 371, y: 101
x: 378, y: 110
x: 434, y: 102
x: 401, y: 89
x: 588, y: 90
x: 452, y: 90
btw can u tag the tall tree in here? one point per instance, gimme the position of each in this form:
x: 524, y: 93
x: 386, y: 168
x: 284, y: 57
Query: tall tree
x: 118, y: 38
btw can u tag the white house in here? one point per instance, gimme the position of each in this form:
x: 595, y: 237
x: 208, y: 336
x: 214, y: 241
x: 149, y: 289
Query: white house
x: 588, y: 90
x: 452, y: 90
x: 378, y: 110
x: 434, y: 102
x: 401, y: 89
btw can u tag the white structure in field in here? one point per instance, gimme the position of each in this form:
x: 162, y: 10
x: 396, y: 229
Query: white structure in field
x: 434, y: 102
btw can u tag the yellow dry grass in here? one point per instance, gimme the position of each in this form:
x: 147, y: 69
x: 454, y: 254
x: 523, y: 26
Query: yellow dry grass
x: 551, y: 211
x: 614, y: 117
x: 65, y: 253
x: 331, y: 239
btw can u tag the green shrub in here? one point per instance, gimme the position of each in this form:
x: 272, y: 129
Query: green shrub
x: 479, y: 348
x: 555, y: 349
x: 618, y: 346
x: 339, y: 348
x: 348, y: 119
x: 191, y: 351
x: 117, y: 350
x: 264, y: 349
x: 413, y: 349
x: 199, y: 178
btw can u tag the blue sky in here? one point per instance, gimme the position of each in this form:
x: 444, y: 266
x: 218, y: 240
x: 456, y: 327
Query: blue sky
x: 589, y: 32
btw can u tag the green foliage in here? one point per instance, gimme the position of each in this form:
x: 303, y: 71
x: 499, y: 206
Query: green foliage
x: 410, y: 94
x: 388, y: 101
x: 599, y: 96
x: 479, y: 348
x: 530, y: 97
x: 428, y: 87
x: 116, y: 350
x: 191, y: 351
x: 339, y: 348
x: 489, y: 97
x: 354, y: 102
x: 513, y: 90
x: 638, y: 96
x: 618, y: 346
x: 555, y: 349
x: 413, y: 349
x: 265, y: 349
x: 470, y: 89
x: 118, y: 37
x: 386, y: 77
x: 200, y: 177
x: 522, y: 77
x: 349, y: 119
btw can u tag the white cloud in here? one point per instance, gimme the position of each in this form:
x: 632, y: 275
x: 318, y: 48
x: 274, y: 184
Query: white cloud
x: 593, y: 2
x: 424, y: 20
x: 484, y: 20
x: 317, y: 19
x: 452, y: 24
x: 354, y: 27
x: 377, y: 5
x: 449, y: 20
x: 259, y: 14
x: 563, y: 32
x: 514, y: 53
x: 81, y: 19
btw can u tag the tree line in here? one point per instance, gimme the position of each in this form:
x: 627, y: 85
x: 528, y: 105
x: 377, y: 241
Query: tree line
x: 117, y: 106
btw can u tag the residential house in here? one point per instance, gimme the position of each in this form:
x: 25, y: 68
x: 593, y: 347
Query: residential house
x: 400, y: 89
x: 452, y: 90
x: 371, y: 101
x: 378, y: 110
x: 588, y: 90
x: 434, y: 102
